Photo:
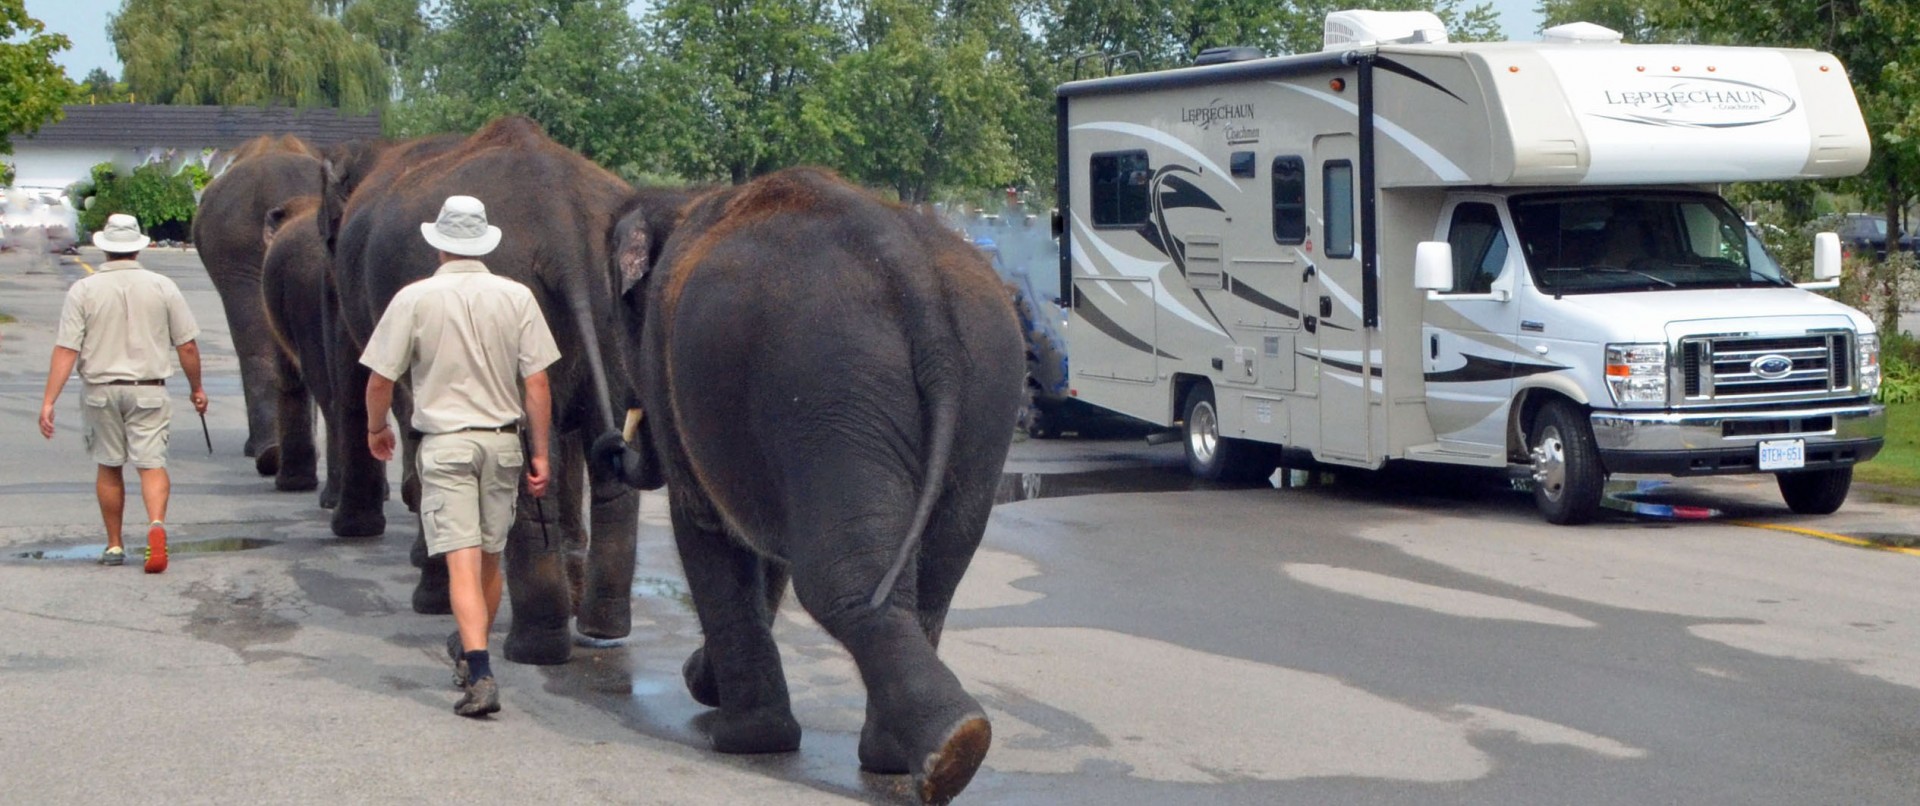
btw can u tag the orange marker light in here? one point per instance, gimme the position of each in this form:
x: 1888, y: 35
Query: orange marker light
x: 1513, y: 69
x: 1338, y: 85
x: 1640, y: 69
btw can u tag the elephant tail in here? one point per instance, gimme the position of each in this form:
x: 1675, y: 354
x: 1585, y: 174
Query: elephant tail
x: 946, y: 417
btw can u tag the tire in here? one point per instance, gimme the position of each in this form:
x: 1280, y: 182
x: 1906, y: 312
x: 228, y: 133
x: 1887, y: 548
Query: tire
x: 1216, y: 458
x: 1815, y: 492
x: 1567, y: 477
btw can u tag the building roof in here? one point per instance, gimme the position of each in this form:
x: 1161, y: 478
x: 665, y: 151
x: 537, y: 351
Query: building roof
x: 197, y: 126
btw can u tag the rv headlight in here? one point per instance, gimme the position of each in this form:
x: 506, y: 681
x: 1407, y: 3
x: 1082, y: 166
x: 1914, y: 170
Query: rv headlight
x: 1637, y: 373
x: 1869, y: 352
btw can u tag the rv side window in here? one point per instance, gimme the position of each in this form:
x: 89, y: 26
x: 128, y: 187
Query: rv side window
x: 1338, y: 199
x: 1479, y: 248
x: 1120, y: 180
x: 1289, y: 200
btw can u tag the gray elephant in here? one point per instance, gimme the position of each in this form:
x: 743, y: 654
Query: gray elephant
x: 557, y: 210
x: 299, y: 300
x: 830, y: 384
x: 265, y: 173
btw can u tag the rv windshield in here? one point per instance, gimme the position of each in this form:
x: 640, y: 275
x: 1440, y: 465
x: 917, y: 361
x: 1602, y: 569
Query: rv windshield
x: 1638, y: 241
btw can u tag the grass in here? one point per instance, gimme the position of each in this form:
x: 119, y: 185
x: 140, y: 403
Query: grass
x: 1898, y: 464
x: 5, y: 319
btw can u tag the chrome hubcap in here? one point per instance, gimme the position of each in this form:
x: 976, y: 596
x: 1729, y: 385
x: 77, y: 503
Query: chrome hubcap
x: 1203, y: 433
x: 1550, y: 464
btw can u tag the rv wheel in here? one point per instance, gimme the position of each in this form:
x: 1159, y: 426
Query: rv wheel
x: 1216, y: 458
x: 1815, y: 492
x: 1567, y: 476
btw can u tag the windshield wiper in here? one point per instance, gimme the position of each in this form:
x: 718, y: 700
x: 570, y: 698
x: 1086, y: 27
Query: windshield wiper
x: 1617, y: 270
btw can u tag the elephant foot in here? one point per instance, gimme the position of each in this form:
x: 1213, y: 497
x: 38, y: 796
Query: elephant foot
x: 700, y: 681
x: 267, y: 461
x: 295, y: 483
x: 366, y: 523
x: 609, y: 617
x: 539, y: 646
x: 942, y: 768
x: 762, y: 730
x: 329, y: 496
x: 409, y: 493
x: 430, y: 594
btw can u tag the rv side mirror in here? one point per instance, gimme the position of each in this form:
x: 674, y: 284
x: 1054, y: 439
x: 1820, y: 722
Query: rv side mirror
x: 1433, y: 266
x: 1826, y: 256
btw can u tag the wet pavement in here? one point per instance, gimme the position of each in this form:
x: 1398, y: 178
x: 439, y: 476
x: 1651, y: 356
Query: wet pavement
x: 1137, y: 636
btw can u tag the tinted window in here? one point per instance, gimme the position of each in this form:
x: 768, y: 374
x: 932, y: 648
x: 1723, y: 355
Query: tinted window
x: 1120, y: 181
x: 1479, y: 248
x: 1289, y: 200
x: 1339, y: 209
x: 1242, y: 163
x: 1628, y: 241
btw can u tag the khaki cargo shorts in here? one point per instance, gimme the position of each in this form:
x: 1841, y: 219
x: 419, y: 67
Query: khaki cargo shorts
x: 469, y: 490
x: 126, y: 423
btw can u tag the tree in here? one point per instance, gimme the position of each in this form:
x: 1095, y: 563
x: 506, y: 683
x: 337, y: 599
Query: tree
x: 32, y: 86
x: 730, y: 79
x: 242, y: 52
x: 568, y: 64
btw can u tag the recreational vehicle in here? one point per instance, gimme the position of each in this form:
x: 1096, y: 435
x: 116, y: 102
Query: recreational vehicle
x: 1506, y: 255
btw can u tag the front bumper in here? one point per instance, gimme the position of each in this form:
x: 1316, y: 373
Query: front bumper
x: 1724, y: 442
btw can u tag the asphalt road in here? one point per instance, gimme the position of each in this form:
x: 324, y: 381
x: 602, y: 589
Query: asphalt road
x: 1137, y: 638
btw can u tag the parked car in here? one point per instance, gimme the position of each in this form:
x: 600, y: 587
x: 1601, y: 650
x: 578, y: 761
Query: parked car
x: 39, y: 218
x: 1864, y: 233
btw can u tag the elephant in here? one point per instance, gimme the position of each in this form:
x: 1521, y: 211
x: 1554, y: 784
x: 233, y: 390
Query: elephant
x: 557, y: 210
x: 829, y: 385
x: 298, y: 295
x: 264, y: 173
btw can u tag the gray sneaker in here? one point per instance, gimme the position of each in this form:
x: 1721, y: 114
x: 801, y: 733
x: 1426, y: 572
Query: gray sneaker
x: 457, y: 654
x: 113, y: 556
x: 482, y: 698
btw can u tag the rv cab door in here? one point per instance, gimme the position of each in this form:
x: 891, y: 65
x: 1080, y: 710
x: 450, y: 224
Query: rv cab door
x: 1469, y: 332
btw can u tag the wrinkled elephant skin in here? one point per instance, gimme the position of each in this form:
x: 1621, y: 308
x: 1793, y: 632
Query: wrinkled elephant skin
x: 830, y: 384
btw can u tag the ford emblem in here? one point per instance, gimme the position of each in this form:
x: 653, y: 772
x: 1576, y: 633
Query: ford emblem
x: 1772, y: 367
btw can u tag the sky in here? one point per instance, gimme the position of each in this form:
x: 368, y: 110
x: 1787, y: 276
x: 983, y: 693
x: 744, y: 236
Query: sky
x: 85, y: 22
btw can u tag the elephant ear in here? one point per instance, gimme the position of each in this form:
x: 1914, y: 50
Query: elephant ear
x: 634, y: 257
x: 274, y: 218
x: 332, y: 202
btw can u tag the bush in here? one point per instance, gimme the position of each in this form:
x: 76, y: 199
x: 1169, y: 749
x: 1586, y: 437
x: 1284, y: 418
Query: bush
x: 162, y: 201
x: 1899, y: 367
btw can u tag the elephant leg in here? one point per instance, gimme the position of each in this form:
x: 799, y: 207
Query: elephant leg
x: 606, y: 608
x: 330, y: 492
x: 245, y: 306
x: 294, y: 423
x: 410, y: 467
x: 432, y: 594
x: 698, y: 671
x: 727, y: 581
x: 363, y: 479
x: 537, y: 581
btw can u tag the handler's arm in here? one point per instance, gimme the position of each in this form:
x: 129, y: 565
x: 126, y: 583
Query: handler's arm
x: 539, y: 403
x: 57, y: 371
x: 379, y: 401
x: 190, y: 364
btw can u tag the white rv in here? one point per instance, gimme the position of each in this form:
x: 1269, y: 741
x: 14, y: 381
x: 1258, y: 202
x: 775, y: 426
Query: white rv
x: 1490, y: 254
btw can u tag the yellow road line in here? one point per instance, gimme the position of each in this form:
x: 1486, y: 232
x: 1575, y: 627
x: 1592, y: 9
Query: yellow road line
x: 83, y: 264
x: 1851, y: 541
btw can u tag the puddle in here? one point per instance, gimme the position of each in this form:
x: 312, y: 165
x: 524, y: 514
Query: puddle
x: 1028, y: 486
x: 92, y: 552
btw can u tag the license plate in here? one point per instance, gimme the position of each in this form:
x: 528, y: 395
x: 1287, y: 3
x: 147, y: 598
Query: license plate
x: 1783, y: 454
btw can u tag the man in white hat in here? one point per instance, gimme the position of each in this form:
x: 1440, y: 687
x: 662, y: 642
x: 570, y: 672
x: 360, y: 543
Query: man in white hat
x: 118, y: 326
x: 467, y: 335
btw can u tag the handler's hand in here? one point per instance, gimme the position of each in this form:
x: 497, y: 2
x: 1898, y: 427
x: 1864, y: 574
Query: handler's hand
x: 381, y: 444
x: 46, y: 421
x: 200, y: 400
x: 537, y: 477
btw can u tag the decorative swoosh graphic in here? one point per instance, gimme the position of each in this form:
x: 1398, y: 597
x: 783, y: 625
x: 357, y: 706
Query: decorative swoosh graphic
x: 1421, y: 149
x: 1347, y: 366
x: 1092, y: 315
x: 1157, y: 136
x: 1478, y: 369
x: 1248, y: 293
x: 1404, y: 71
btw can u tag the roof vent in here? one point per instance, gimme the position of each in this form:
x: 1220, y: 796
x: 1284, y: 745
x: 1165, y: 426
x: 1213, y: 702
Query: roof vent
x: 1228, y: 54
x: 1580, y: 33
x: 1358, y: 29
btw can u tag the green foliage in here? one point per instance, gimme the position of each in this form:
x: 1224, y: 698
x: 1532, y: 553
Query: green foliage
x: 245, y: 52
x: 1899, y: 367
x: 151, y: 193
x: 6, y: 174
x: 32, y: 85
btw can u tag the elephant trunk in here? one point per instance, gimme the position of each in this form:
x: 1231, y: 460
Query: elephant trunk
x: 609, y: 453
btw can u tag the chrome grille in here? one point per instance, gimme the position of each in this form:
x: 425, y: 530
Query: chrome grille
x: 1730, y: 368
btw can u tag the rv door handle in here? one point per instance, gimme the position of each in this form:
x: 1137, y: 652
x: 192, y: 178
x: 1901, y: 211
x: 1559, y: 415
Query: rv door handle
x: 1307, y: 274
x: 1310, y: 323
x: 1326, y: 306
x: 1433, y: 346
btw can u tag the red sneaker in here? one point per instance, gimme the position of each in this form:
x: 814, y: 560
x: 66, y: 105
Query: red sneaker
x: 156, y: 549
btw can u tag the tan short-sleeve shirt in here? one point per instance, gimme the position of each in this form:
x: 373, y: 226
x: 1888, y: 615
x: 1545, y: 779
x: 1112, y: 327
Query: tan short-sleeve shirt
x: 125, y: 322
x: 468, y: 336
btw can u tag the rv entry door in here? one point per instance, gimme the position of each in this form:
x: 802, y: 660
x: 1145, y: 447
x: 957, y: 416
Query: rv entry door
x: 1332, y: 315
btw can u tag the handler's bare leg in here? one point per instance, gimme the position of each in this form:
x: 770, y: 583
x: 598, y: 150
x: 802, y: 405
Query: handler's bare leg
x: 474, y: 584
x: 155, y: 488
x: 111, y: 488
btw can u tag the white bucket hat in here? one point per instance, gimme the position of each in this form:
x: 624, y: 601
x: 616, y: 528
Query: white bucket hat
x: 462, y: 228
x: 121, y: 235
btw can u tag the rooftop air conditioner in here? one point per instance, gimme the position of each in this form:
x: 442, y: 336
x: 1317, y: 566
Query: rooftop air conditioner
x: 1580, y: 33
x: 1358, y: 29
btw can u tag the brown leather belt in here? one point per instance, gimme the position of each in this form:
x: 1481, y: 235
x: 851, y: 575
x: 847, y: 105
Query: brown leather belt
x: 147, y: 382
